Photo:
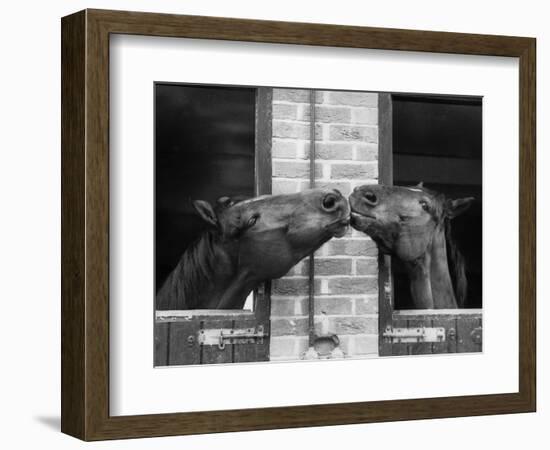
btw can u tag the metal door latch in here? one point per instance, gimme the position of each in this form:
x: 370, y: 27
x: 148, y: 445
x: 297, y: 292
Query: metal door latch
x: 222, y: 336
x: 414, y: 335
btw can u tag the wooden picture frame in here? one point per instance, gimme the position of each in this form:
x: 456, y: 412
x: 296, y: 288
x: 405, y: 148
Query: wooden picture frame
x: 85, y: 224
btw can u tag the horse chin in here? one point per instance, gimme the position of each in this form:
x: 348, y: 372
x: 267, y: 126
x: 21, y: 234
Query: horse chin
x: 361, y: 222
x: 339, y: 228
x: 340, y: 231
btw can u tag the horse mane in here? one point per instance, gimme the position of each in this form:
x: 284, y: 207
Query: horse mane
x: 457, y: 266
x: 194, y: 271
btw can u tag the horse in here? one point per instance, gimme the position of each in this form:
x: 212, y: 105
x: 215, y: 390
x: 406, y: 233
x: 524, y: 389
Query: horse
x: 414, y: 225
x: 247, y: 242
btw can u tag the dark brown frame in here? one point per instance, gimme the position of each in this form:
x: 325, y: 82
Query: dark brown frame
x: 85, y: 224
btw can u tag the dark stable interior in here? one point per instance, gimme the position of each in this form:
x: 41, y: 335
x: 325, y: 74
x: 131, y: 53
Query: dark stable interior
x: 204, y: 149
x: 438, y: 140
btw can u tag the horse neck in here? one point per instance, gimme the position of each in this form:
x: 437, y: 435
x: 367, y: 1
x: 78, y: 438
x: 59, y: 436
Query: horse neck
x: 430, y: 281
x: 204, y: 278
x: 441, y: 283
x: 420, y: 285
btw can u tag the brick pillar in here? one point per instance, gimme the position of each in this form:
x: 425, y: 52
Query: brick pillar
x: 346, y: 270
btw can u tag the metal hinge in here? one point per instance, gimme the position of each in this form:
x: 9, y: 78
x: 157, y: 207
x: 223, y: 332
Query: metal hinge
x: 414, y: 335
x: 222, y: 336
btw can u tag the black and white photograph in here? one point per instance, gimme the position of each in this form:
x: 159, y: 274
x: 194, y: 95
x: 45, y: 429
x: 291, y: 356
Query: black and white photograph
x: 305, y: 224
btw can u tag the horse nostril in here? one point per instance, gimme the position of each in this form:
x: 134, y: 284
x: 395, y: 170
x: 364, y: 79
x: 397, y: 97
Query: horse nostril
x: 370, y: 197
x: 329, y: 202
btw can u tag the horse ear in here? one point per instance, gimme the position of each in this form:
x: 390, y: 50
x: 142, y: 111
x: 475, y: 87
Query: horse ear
x: 420, y: 185
x: 454, y: 208
x: 206, y: 212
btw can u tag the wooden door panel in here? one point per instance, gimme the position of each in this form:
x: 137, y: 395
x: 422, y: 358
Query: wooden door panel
x: 250, y: 350
x: 449, y: 345
x: 463, y: 332
x: 161, y: 344
x: 191, y: 337
x: 467, y: 329
x: 183, y: 348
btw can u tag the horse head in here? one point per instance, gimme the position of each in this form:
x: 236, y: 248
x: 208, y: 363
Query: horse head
x: 411, y: 223
x: 250, y: 241
x: 265, y: 236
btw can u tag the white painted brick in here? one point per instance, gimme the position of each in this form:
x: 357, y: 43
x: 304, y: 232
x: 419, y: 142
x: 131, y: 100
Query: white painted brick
x: 365, y: 116
x: 326, y: 171
x: 353, y: 98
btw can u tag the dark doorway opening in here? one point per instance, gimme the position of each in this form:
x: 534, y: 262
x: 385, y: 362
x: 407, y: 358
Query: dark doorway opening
x: 204, y: 149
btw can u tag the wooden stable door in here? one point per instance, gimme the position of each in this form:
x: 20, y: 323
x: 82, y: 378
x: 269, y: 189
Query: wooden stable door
x: 213, y: 336
x: 417, y: 332
x: 231, y: 135
x: 420, y: 137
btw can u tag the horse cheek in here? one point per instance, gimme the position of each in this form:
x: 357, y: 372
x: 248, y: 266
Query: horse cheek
x: 275, y: 258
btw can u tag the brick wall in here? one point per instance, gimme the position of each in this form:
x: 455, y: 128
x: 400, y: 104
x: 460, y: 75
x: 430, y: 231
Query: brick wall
x: 346, y: 269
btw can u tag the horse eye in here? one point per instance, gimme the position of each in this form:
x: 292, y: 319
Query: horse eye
x: 225, y: 202
x: 252, y: 221
x: 424, y: 205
